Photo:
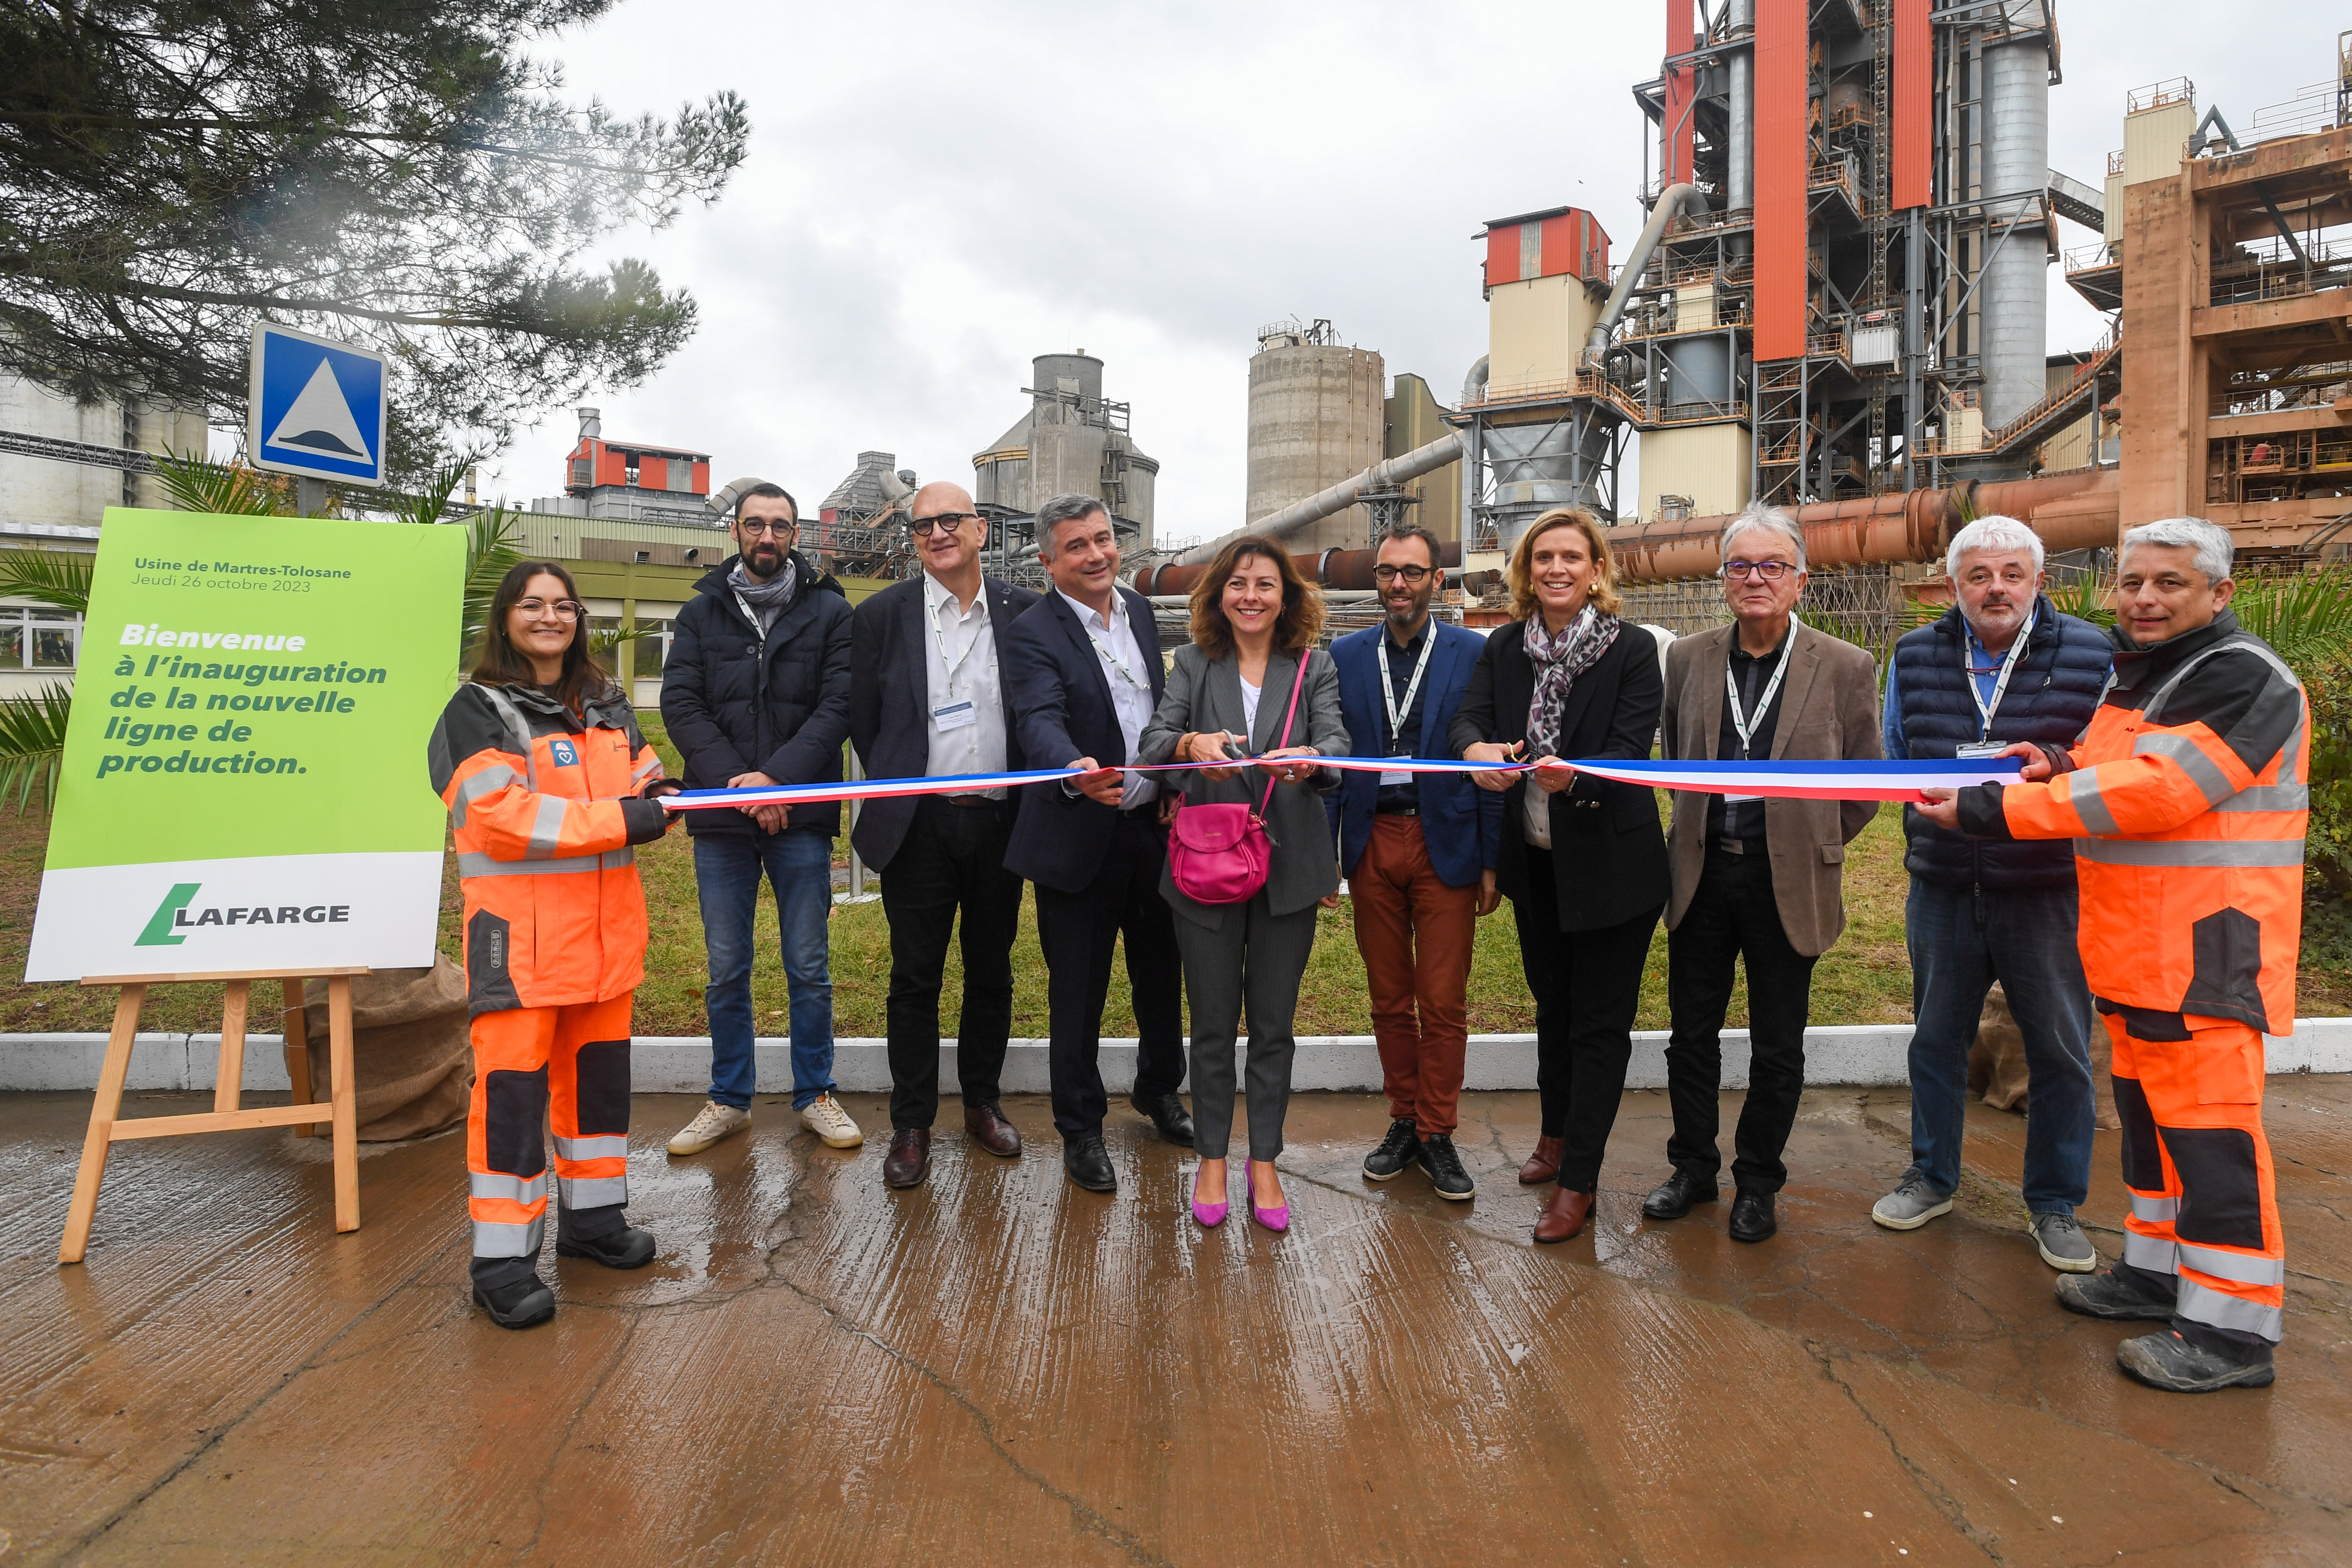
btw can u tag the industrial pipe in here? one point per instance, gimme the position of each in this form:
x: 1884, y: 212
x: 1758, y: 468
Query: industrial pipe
x: 2076, y: 511
x: 1341, y: 497
x: 1671, y: 202
x: 1348, y: 570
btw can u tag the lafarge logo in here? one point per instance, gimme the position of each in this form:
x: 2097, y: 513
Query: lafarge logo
x: 173, y: 918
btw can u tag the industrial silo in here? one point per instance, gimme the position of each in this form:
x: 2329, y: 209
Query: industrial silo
x: 1316, y: 417
x: 2017, y: 168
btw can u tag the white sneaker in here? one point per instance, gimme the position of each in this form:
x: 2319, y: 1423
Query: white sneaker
x: 710, y: 1123
x: 825, y: 1117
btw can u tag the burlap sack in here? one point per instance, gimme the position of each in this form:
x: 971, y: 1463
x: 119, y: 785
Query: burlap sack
x: 1997, y: 1062
x: 412, y: 1056
x: 1996, y: 1059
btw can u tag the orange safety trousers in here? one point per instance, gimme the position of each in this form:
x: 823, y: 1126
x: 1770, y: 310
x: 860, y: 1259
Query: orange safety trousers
x: 538, y: 1068
x: 2204, y: 1199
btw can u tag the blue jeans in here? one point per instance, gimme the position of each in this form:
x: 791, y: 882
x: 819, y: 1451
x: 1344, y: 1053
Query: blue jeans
x: 726, y: 869
x: 1961, y: 941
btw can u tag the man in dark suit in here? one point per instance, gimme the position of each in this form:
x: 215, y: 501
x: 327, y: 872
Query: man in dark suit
x: 1084, y: 669
x: 1754, y: 880
x: 927, y: 700
x: 1418, y: 851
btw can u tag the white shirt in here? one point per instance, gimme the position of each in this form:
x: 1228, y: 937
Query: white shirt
x: 1121, y: 658
x: 970, y: 653
x: 1250, y: 695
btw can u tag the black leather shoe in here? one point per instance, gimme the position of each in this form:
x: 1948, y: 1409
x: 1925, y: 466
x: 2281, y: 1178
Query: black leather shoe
x: 909, y: 1159
x: 1088, y: 1163
x: 1672, y: 1199
x: 1398, y: 1152
x: 1167, y: 1113
x: 1443, y: 1163
x: 524, y: 1304
x: 1751, y: 1216
x: 626, y: 1248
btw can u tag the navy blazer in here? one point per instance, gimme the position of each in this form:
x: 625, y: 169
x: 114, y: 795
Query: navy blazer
x: 1461, y: 824
x: 1060, y: 695
x: 890, y: 700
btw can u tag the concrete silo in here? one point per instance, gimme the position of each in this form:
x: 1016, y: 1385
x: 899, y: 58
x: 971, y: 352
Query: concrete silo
x: 1316, y: 417
x: 1071, y: 440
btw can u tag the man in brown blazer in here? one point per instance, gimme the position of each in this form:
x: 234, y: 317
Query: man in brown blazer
x: 1754, y: 880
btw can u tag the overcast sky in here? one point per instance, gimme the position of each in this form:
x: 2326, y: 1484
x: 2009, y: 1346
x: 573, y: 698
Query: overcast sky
x: 937, y: 193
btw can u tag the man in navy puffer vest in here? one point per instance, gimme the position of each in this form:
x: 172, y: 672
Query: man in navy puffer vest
x: 2001, y: 665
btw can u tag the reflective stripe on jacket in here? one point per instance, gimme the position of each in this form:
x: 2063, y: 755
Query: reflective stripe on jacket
x: 2186, y: 802
x: 545, y: 811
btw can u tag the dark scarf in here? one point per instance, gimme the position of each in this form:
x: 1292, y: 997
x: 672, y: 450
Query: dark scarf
x: 1559, y: 661
x: 768, y: 598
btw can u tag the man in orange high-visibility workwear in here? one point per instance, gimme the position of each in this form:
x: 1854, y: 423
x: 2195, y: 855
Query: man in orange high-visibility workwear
x: 2186, y: 799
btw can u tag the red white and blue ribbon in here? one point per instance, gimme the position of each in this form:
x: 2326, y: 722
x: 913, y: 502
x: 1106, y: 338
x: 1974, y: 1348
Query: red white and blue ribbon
x: 1796, y: 780
x: 1811, y: 781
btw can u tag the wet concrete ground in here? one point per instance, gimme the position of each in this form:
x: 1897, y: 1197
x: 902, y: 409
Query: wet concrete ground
x: 1001, y: 1368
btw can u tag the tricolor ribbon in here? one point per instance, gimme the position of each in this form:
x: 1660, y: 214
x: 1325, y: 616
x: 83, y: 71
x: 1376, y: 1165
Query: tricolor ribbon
x: 1795, y: 780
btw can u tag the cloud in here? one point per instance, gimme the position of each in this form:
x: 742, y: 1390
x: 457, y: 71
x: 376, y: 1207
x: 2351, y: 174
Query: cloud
x: 937, y: 193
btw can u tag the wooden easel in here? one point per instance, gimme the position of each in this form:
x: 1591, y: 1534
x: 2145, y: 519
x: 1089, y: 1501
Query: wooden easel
x: 339, y: 1109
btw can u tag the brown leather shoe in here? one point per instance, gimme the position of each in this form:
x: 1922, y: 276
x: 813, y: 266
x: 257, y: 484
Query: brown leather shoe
x: 1564, y: 1216
x: 1543, y: 1165
x: 909, y: 1160
x: 988, y: 1129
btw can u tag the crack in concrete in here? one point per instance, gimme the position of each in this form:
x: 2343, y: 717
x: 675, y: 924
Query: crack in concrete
x: 214, y: 1435
x: 1083, y: 1514
x: 1939, y: 1497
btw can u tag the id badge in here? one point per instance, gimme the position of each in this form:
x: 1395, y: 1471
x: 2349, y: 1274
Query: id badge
x: 955, y: 715
x: 1740, y: 799
x: 1981, y: 748
x: 1388, y: 779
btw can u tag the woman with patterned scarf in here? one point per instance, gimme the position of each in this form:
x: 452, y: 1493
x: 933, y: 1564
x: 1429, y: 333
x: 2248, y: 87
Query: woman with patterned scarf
x: 1583, y: 860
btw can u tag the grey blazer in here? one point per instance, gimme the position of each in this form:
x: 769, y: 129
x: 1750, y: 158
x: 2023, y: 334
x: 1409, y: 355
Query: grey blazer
x: 1205, y: 694
x: 1829, y: 709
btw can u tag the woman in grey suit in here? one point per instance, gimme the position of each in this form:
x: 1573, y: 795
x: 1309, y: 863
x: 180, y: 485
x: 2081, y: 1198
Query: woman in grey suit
x: 1253, y: 618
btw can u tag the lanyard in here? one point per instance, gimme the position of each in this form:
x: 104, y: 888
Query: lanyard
x: 2001, y: 686
x: 1111, y: 658
x: 1742, y: 722
x: 1413, y: 687
x: 940, y: 639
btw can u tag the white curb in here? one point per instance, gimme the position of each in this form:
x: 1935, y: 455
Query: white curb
x: 1865, y: 1054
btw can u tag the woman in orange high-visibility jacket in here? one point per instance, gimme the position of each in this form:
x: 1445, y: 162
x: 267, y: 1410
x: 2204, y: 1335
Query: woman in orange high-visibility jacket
x: 2186, y: 799
x: 549, y: 784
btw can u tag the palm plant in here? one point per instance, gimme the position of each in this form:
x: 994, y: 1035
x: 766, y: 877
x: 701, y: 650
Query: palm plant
x: 195, y: 483
x: 33, y: 728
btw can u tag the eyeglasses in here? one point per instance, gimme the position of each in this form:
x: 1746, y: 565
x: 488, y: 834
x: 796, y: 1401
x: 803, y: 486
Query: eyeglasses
x: 1767, y: 571
x: 755, y: 527
x: 920, y: 527
x: 532, y: 609
x: 1414, y: 575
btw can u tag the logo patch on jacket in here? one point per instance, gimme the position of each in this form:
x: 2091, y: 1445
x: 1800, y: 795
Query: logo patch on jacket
x: 564, y: 755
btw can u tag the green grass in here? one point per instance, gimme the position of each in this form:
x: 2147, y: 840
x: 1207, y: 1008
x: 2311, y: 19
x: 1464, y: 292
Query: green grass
x: 1865, y: 979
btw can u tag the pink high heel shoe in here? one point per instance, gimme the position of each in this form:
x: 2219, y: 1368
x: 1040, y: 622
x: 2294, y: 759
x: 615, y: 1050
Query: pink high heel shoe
x: 1276, y: 1219
x: 1210, y: 1216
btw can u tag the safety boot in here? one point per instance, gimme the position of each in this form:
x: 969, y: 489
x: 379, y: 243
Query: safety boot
x: 510, y: 1292
x: 2165, y: 1360
x: 603, y: 1236
x: 2122, y: 1294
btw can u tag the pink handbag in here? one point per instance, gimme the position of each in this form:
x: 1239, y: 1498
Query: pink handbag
x: 1219, y: 853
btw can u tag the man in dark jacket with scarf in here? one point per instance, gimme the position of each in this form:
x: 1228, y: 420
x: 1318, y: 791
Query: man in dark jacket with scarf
x: 2002, y: 665
x: 755, y: 693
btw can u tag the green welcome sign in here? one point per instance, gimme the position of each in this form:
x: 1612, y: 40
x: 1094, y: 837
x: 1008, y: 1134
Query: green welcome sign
x: 244, y: 776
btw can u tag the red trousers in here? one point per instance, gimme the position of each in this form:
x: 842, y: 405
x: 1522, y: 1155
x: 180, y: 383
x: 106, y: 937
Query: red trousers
x: 1415, y: 933
x: 2204, y: 1199
x: 537, y: 1069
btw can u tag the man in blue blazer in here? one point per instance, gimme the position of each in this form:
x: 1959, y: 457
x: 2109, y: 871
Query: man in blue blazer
x: 1084, y: 671
x: 1419, y: 852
